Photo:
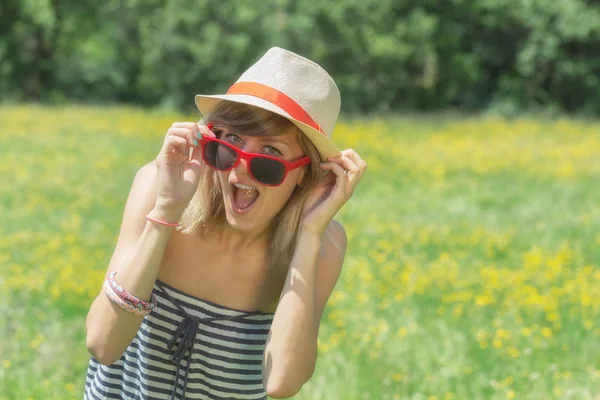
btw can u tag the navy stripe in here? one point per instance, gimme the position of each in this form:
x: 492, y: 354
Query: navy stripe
x: 206, y: 354
x: 236, y: 339
x: 255, y: 330
x: 255, y: 380
x: 196, y: 381
x: 124, y: 390
x: 193, y: 370
x: 202, y: 301
x: 130, y: 374
x: 225, y: 361
x: 174, y: 311
x: 120, y: 388
x: 179, y: 385
x: 208, y: 344
x: 246, y: 318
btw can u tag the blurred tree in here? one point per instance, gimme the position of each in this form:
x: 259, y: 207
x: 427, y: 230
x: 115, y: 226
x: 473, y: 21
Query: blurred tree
x: 386, y: 55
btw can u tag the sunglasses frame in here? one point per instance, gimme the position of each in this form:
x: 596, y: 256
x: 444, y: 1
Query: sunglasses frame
x: 244, y: 155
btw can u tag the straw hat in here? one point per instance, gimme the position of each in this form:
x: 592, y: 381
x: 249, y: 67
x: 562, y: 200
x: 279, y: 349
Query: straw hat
x: 291, y: 86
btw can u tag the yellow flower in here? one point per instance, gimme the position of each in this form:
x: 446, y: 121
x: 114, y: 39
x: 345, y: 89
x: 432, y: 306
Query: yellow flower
x: 398, y: 377
x: 526, y: 331
x: 551, y: 317
x: 546, y: 332
x: 35, y: 343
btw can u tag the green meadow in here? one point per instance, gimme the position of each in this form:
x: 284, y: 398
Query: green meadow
x: 472, y: 270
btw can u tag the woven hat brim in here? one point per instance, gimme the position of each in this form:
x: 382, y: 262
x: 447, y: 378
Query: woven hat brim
x: 324, y: 145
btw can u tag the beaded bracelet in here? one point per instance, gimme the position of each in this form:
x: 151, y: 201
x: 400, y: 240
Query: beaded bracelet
x: 126, y: 300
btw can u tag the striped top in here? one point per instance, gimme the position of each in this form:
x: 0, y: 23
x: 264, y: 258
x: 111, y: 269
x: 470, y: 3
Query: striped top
x: 225, y: 347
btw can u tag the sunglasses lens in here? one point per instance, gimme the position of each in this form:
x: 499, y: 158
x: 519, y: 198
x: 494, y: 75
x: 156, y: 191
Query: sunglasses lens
x: 219, y: 156
x: 267, y: 171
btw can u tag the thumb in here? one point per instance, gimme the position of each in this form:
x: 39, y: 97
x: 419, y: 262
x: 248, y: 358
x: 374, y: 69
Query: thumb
x: 196, y: 157
x: 194, y: 161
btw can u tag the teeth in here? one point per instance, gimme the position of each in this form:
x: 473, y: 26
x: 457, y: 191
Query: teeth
x: 240, y: 186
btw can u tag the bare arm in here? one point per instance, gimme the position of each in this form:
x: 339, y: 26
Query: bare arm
x: 291, y: 350
x: 137, y: 258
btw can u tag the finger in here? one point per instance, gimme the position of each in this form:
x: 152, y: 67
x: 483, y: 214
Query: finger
x: 187, y: 125
x: 353, y: 155
x: 176, y: 144
x: 340, y: 177
x: 347, y: 164
x: 205, y: 131
x: 185, y: 133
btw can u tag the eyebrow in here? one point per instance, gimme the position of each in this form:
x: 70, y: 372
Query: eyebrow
x: 275, y: 139
x: 263, y: 138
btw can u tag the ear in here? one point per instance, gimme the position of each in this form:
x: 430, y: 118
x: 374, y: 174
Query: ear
x: 301, y: 176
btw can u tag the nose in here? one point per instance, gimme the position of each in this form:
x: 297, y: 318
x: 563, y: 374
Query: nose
x: 242, y: 167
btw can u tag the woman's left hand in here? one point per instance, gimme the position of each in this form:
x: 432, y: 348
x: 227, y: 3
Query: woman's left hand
x: 326, y: 199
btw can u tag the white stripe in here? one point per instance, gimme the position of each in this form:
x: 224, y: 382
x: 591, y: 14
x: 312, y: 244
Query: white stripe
x: 195, y: 358
x: 193, y: 385
x: 99, y: 385
x: 266, y: 320
x: 132, y: 385
x: 157, y: 338
x: 168, y: 364
x: 186, y: 300
x: 223, y: 330
x: 207, y: 349
x: 230, y: 344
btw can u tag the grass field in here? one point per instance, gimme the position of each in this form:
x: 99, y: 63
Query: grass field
x: 472, y: 271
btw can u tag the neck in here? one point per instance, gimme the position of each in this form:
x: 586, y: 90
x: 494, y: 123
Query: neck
x: 230, y: 239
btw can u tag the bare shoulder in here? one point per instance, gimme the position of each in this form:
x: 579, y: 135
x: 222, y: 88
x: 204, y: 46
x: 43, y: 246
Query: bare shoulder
x: 335, y: 239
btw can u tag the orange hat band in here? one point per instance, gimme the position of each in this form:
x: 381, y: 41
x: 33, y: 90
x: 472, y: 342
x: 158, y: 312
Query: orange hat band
x: 277, y: 98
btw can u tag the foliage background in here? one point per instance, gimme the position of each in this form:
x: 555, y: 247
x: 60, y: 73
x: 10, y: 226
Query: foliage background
x: 386, y: 55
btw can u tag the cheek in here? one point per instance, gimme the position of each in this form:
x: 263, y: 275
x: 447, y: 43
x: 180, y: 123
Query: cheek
x: 280, y: 195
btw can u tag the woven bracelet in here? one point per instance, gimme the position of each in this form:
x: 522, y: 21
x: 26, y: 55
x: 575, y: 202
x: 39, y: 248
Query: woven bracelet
x: 125, y: 299
x: 113, y: 297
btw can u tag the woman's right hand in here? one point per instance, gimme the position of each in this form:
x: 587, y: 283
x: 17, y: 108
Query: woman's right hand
x: 178, y: 176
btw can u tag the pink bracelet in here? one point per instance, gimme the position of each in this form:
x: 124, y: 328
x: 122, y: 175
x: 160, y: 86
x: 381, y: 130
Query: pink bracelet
x: 162, y: 222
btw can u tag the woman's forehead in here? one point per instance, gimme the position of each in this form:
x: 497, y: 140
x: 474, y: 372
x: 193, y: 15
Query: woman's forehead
x: 288, y: 135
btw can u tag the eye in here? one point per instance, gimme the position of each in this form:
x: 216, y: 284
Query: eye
x: 233, y: 139
x: 273, y: 151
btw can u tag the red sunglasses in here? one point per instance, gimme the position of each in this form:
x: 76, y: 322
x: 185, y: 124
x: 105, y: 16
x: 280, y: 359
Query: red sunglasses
x: 266, y: 170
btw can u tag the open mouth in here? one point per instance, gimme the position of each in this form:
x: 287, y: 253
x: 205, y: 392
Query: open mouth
x: 243, y: 197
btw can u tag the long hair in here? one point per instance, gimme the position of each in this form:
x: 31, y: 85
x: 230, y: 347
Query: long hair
x: 206, y: 210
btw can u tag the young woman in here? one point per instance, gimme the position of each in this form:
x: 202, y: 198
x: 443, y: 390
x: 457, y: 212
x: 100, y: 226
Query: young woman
x: 228, y: 251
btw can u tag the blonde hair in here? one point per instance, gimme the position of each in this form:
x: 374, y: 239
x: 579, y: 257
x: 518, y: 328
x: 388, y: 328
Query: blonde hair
x: 206, y: 210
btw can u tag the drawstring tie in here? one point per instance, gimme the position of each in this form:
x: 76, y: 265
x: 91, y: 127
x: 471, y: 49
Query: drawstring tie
x: 187, y: 331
